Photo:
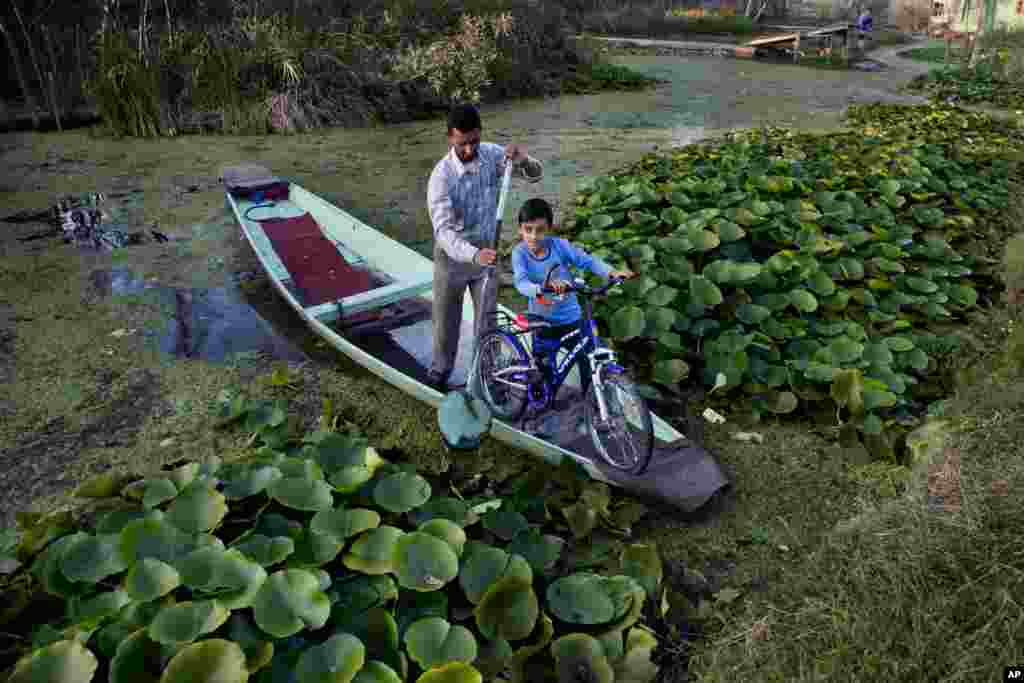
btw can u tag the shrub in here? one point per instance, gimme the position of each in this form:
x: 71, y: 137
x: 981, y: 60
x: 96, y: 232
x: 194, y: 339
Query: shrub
x: 456, y: 66
x: 320, y: 558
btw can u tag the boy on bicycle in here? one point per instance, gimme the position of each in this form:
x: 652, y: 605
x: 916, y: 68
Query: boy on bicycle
x: 532, y: 259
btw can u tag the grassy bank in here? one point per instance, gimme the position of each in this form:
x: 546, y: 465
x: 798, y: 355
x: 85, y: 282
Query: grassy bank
x: 912, y: 590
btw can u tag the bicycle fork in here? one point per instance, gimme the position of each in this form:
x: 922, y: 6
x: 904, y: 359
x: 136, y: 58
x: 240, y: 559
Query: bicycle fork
x: 600, y: 359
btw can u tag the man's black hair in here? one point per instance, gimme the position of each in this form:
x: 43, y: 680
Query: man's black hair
x: 535, y: 209
x: 464, y: 118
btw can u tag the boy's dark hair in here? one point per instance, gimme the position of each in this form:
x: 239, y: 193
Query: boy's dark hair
x: 464, y: 118
x: 535, y: 209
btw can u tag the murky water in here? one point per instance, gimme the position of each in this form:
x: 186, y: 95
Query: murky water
x: 215, y: 324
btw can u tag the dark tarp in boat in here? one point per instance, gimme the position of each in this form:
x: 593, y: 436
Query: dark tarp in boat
x: 681, y: 473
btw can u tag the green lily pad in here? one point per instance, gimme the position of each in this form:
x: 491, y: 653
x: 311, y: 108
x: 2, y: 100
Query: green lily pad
x: 267, y: 550
x: 336, y: 660
x: 899, y: 344
x: 208, y: 661
x: 199, y: 508
x: 424, y: 562
x: 627, y: 323
x: 250, y: 482
x: 579, y: 656
x: 541, y: 551
x: 66, y: 661
x: 509, y: 610
x: 92, y: 558
x: 186, y: 621
x: 705, y: 291
x: 434, y: 642
x: 803, y: 300
x: 453, y: 672
x: 752, y: 314
x: 377, y: 672
x: 504, y: 523
x: 150, y: 579
x: 157, y: 492
x: 344, y: 523
x: 484, y: 565
x: 589, y: 599
x: 401, y: 492
x: 300, y: 493
x: 373, y: 551
x: 289, y: 601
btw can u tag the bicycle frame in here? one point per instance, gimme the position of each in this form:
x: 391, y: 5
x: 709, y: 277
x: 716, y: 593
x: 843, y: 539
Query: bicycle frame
x: 599, y: 359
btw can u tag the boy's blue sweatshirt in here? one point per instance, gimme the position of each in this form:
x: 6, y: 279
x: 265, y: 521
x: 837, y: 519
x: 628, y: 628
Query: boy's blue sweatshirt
x: 529, y: 274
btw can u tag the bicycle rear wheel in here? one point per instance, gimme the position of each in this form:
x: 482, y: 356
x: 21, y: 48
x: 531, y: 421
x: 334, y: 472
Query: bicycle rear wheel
x: 498, y: 351
x: 626, y: 439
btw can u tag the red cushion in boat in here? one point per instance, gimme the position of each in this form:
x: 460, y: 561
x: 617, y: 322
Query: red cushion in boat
x: 313, y: 261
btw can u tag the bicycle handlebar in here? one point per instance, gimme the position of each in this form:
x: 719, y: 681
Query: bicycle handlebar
x: 584, y: 289
x: 577, y: 285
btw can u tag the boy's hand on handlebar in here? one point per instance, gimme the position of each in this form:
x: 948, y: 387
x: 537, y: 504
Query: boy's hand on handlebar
x: 559, y: 286
x: 622, y: 274
x: 486, y: 257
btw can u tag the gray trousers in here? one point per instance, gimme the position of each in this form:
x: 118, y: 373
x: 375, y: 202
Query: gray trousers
x: 451, y: 279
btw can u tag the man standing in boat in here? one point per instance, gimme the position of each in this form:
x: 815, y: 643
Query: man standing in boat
x: 462, y: 197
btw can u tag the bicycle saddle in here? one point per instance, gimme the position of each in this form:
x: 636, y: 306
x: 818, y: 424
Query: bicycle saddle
x: 530, y: 321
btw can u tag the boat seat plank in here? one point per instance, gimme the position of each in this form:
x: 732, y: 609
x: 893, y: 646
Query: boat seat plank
x: 772, y: 40
x: 375, y: 298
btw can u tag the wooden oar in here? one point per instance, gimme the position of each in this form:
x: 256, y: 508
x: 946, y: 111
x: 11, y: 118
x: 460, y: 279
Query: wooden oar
x: 506, y: 180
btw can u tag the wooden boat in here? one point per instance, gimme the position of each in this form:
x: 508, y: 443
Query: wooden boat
x: 369, y: 297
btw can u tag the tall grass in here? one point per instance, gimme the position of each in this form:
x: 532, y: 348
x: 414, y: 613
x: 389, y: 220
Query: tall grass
x: 905, y: 593
x: 126, y: 88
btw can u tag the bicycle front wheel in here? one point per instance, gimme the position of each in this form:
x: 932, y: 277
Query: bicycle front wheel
x: 498, y: 351
x: 625, y: 440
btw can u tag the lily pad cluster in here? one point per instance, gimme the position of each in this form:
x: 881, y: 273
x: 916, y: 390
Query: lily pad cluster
x: 799, y: 267
x: 323, y: 562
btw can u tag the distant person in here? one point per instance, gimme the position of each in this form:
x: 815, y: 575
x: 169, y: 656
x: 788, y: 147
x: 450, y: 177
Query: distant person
x: 462, y: 197
x: 531, y: 260
x: 864, y: 25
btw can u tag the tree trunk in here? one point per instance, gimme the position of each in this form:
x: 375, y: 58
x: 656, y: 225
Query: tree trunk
x: 80, y: 63
x: 142, y: 30
x: 54, y: 70
x: 30, y: 46
x: 30, y: 100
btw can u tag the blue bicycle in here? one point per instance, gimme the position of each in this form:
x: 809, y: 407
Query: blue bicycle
x: 510, y: 379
